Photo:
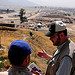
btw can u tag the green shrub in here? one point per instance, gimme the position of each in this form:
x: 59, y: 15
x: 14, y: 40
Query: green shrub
x: 31, y: 34
x: 2, y: 58
x: 1, y: 65
x: 33, y: 61
x: 35, y: 55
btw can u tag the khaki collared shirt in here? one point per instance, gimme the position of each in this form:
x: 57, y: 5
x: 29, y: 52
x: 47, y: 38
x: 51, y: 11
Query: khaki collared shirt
x: 61, y: 63
x: 66, y: 63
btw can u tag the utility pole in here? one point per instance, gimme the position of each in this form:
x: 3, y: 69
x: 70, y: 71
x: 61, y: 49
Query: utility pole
x: 0, y: 39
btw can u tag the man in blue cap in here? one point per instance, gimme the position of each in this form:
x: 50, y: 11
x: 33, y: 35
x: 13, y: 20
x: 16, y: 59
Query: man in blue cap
x: 19, y: 57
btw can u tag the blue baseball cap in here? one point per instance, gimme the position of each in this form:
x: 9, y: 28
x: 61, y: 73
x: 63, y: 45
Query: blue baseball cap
x: 20, y: 47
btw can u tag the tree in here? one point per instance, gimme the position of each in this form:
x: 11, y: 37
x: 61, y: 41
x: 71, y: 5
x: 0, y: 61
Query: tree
x: 7, y: 10
x: 0, y: 41
x: 22, y: 18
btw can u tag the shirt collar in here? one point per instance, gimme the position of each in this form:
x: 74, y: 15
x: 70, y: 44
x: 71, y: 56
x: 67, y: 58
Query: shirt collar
x: 16, y: 68
x: 60, y: 46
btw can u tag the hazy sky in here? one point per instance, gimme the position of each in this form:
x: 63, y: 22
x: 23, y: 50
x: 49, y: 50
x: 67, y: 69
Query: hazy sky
x: 58, y: 3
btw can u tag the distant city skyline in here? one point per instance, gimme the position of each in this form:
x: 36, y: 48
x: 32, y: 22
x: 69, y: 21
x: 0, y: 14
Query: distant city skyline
x: 55, y: 3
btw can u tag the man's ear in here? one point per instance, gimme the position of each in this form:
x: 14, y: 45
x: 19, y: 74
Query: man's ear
x: 24, y: 62
x: 61, y: 35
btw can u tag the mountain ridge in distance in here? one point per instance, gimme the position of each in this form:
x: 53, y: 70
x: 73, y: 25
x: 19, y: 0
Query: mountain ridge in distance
x: 16, y: 3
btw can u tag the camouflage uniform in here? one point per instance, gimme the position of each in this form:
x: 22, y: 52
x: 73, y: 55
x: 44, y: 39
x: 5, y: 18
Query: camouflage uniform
x: 16, y: 71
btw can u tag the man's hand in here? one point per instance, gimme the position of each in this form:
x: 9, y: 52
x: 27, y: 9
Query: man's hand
x: 43, y: 54
x: 35, y: 72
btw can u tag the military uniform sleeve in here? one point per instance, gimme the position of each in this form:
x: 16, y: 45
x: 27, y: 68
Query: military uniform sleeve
x: 65, y: 66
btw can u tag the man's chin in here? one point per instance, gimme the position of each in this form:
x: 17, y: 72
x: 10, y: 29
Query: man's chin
x: 55, y: 44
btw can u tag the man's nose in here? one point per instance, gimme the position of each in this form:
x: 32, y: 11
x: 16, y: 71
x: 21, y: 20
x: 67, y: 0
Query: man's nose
x: 50, y: 38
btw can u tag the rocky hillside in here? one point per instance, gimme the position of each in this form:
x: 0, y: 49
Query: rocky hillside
x: 37, y: 41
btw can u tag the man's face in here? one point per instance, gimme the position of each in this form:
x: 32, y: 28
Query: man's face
x: 55, y: 39
x: 28, y: 59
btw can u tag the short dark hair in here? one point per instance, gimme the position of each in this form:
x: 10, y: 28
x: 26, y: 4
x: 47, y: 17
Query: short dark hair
x: 64, y: 31
x: 16, y: 59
